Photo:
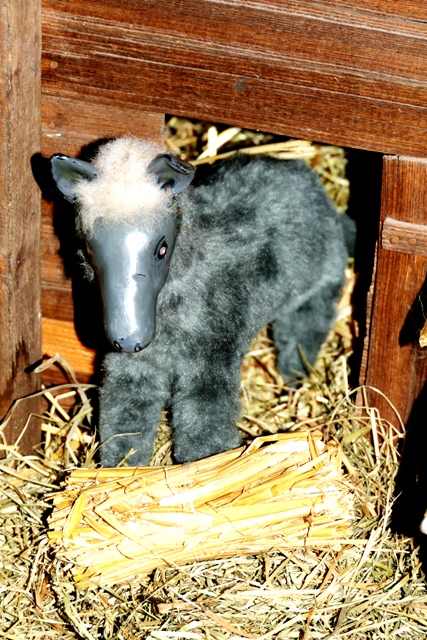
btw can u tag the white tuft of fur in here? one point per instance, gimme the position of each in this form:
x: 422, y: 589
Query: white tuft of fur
x: 123, y: 192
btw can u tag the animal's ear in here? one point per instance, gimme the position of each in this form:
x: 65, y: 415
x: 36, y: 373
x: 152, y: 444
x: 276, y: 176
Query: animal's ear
x: 172, y: 174
x: 67, y: 172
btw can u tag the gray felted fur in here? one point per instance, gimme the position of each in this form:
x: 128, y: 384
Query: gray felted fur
x: 259, y: 242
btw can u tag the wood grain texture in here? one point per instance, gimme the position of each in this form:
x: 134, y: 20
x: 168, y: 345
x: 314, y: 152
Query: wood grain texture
x: 402, y: 9
x: 59, y: 336
x: 405, y: 237
x: 68, y: 126
x: 345, y: 73
x: 70, y: 123
x: 20, y: 97
x: 396, y: 364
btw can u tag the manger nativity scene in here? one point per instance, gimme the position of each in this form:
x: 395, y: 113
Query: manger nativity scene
x: 212, y: 390
x: 224, y: 438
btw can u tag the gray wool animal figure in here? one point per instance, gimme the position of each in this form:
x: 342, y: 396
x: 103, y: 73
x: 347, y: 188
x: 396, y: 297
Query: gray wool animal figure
x: 189, y: 276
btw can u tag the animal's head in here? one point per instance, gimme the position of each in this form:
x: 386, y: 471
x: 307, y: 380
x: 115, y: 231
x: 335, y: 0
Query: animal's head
x: 127, y: 216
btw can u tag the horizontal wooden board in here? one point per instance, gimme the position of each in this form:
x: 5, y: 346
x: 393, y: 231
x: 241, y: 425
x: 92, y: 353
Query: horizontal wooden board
x: 405, y: 237
x: 403, y: 9
x: 348, y: 74
x: 68, y: 124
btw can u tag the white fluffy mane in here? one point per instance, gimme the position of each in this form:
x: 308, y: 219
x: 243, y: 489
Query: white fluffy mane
x: 123, y: 191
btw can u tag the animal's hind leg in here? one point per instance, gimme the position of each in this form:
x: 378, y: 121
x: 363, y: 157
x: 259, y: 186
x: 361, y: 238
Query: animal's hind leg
x: 304, y: 329
x: 131, y: 401
x: 204, y: 413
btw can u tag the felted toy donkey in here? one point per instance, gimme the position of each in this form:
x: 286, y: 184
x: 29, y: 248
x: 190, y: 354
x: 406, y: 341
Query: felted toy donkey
x: 189, y: 276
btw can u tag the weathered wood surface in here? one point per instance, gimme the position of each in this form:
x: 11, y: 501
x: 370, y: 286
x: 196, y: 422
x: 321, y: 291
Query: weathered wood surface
x: 406, y: 237
x: 350, y: 73
x: 397, y: 365
x: 68, y: 126
x: 20, y: 50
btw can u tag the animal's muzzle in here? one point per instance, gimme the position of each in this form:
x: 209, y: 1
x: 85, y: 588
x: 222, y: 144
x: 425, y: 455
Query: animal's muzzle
x: 129, y: 347
x: 130, y: 322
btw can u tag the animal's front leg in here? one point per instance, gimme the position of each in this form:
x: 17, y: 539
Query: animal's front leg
x: 204, y: 410
x: 131, y: 400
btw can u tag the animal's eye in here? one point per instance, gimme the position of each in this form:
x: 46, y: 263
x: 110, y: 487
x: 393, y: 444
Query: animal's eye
x: 162, y: 250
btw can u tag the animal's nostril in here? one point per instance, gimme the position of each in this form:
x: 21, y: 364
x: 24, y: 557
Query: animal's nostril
x: 138, y: 347
x: 117, y: 345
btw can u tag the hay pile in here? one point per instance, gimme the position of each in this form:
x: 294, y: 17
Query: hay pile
x: 368, y: 586
x: 282, y: 491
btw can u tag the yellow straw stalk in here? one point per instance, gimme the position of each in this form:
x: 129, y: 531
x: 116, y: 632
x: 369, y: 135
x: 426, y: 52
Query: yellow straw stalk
x: 282, y: 491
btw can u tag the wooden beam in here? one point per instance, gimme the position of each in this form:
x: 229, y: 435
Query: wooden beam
x: 347, y: 73
x: 406, y: 237
x: 397, y: 365
x: 20, y: 106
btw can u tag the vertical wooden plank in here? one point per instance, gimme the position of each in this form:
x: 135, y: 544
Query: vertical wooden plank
x: 396, y: 365
x: 20, y: 106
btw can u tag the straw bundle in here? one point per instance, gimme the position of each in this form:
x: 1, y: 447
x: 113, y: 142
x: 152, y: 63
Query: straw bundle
x: 281, y: 491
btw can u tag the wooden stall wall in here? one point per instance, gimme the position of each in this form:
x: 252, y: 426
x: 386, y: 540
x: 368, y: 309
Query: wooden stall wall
x: 395, y: 357
x: 20, y: 50
x: 351, y: 74
x: 348, y: 73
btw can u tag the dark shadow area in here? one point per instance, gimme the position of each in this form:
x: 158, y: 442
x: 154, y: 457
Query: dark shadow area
x: 415, y: 319
x: 364, y: 172
x: 411, y: 481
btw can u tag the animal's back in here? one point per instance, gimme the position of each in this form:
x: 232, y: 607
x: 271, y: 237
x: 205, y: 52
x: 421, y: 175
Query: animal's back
x: 267, y: 207
x: 256, y: 234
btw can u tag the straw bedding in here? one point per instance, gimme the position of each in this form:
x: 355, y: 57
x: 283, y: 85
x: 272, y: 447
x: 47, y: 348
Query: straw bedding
x: 281, y: 491
x: 361, y: 580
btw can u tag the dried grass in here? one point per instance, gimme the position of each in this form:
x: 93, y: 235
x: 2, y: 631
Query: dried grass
x: 282, y: 491
x: 201, y: 143
x: 370, y: 586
